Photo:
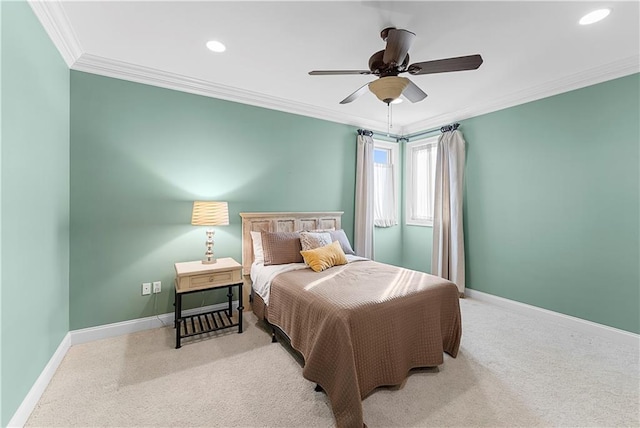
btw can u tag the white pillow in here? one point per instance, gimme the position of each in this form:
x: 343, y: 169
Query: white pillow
x: 313, y: 240
x: 258, y: 254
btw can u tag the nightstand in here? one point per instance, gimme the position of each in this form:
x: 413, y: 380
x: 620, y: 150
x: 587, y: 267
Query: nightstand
x: 194, y: 277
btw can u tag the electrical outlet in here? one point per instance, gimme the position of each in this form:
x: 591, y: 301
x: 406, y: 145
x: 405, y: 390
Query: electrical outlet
x: 157, y: 286
x: 146, y: 288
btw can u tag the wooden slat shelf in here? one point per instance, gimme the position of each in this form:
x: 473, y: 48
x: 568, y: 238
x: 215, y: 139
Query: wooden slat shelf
x: 206, y: 322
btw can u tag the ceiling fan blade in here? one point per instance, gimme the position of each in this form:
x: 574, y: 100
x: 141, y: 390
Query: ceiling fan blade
x: 337, y: 72
x: 356, y: 94
x: 413, y: 93
x: 398, y: 44
x: 470, y: 62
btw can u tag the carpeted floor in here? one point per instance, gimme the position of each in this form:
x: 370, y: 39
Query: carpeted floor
x: 512, y: 370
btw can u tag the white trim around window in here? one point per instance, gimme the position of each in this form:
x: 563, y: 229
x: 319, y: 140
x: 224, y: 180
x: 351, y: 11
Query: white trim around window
x: 420, y: 164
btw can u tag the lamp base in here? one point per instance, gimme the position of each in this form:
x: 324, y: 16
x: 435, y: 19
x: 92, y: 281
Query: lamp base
x: 209, y: 258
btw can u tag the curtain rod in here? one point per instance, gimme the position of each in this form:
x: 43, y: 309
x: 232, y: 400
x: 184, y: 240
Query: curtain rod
x: 369, y: 133
x: 445, y: 128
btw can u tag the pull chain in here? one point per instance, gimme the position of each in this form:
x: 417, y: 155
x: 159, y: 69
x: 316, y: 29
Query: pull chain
x: 389, y: 119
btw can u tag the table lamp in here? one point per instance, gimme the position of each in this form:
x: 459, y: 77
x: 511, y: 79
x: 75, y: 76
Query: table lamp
x: 210, y: 213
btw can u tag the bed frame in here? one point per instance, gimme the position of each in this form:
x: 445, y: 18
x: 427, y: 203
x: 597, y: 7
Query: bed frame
x: 282, y: 222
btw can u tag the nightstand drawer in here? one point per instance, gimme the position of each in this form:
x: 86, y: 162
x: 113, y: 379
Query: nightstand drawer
x: 209, y: 280
x: 227, y: 277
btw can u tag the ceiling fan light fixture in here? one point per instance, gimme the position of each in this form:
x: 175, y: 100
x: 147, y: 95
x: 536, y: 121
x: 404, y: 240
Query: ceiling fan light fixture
x: 397, y: 101
x: 388, y: 89
x: 595, y: 16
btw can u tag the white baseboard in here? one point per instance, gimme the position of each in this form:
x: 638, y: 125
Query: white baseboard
x: 29, y: 403
x: 90, y: 334
x: 125, y: 327
x: 589, y: 327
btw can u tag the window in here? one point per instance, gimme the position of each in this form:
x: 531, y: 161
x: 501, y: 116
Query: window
x: 385, y: 183
x: 421, y: 174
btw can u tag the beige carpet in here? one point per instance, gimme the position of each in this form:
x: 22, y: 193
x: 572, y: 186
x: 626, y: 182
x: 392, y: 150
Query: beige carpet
x: 511, y: 371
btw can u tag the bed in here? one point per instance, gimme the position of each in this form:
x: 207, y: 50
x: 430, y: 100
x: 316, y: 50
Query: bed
x: 358, y: 325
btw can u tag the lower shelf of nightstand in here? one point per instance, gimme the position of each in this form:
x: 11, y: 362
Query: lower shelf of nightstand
x: 205, y: 323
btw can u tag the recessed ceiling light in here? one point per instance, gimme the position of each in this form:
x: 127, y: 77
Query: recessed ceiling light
x: 595, y: 16
x: 216, y: 46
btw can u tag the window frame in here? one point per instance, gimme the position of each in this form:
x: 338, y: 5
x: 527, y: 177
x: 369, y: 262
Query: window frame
x: 409, y: 186
x: 394, y: 149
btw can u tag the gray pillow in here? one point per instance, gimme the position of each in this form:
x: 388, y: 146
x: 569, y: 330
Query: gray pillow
x: 313, y: 240
x: 281, y: 248
x: 340, y: 236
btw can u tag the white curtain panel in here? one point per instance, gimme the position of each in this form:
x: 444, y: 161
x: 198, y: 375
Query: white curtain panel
x: 447, y: 258
x: 384, y: 199
x: 364, y: 210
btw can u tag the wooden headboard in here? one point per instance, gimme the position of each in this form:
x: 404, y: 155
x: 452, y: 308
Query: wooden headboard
x: 282, y: 222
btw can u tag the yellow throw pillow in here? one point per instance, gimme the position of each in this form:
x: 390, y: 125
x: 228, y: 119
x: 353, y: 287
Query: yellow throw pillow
x: 325, y: 257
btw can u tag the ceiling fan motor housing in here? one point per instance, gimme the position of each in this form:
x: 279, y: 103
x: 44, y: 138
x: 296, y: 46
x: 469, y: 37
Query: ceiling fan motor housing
x: 380, y: 68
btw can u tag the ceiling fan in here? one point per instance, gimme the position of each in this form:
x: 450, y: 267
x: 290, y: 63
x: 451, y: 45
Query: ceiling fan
x: 393, y: 60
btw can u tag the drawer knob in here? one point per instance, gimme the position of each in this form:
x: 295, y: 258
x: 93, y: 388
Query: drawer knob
x: 210, y: 279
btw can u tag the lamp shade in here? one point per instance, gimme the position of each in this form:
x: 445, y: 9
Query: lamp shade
x: 388, y: 88
x: 210, y: 213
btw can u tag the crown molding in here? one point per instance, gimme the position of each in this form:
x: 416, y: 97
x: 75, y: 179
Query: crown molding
x: 57, y: 25
x: 592, y: 76
x: 136, y: 73
x: 150, y: 76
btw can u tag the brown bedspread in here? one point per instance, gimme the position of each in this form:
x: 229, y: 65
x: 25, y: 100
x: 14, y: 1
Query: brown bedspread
x: 364, y: 325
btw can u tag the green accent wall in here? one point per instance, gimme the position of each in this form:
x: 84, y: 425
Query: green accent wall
x: 140, y: 156
x: 416, y: 247
x: 552, y: 204
x: 387, y: 245
x: 34, y: 180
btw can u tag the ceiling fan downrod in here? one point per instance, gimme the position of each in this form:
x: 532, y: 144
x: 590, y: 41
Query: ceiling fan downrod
x: 389, y: 118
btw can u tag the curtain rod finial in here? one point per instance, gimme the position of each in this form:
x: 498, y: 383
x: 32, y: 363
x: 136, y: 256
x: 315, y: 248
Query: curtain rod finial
x: 448, y: 128
x: 365, y: 132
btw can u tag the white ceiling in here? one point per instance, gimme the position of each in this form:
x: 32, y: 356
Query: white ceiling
x: 530, y: 50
